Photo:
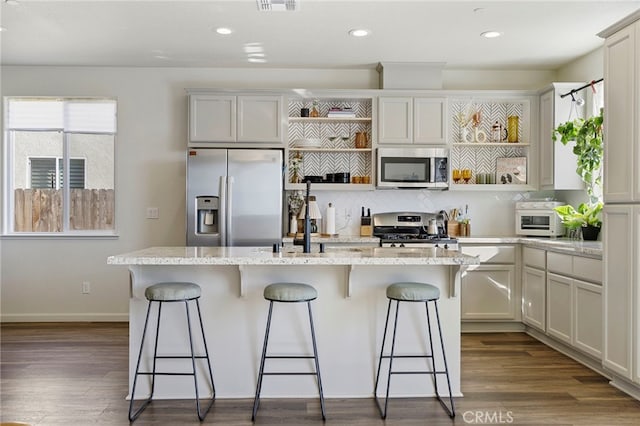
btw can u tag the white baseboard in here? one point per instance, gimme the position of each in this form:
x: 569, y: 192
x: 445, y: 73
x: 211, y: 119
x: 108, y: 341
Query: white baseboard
x: 491, y: 327
x: 61, y: 317
x: 626, y: 387
x: 584, y: 359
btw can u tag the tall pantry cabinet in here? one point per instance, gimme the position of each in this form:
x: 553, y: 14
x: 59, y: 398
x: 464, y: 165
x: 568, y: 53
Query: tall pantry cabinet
x: 621, y: 228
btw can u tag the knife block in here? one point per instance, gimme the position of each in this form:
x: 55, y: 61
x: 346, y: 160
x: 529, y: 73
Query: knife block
x: 366, y: 230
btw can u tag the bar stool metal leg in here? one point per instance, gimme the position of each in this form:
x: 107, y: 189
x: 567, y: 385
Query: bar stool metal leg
x: 256, y: 401
x: 201, y: 415
x: 133, y: 416
x: 315, y: 357
x: 451, y: 411
x: 383, y: 412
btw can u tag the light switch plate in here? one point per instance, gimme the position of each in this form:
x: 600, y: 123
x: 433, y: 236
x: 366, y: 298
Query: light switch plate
x: 153, y: 213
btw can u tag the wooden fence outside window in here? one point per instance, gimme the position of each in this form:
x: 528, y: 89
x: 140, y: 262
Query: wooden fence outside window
x: 40, y: 210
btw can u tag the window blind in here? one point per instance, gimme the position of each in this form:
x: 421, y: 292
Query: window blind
x: 91, y: 116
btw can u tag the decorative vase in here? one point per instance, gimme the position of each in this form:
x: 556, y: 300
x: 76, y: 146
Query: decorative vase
x: 464, y: 135
x: 590, y: 233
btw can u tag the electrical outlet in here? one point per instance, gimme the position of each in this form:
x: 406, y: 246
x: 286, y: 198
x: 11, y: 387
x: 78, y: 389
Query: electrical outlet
x: 153, y: 213
x: 86, y: 287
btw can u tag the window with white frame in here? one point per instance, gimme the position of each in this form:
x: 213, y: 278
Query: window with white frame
x: 59, y: 156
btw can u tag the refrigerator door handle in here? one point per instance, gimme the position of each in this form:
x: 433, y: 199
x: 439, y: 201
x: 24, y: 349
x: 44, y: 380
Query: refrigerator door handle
x: 223, y: 209
x: 229, y: 241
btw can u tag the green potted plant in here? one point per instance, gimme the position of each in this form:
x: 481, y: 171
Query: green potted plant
x: 588, y: 148
x: 586, y: 219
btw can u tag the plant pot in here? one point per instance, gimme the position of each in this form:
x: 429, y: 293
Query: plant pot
x: 590, y: 233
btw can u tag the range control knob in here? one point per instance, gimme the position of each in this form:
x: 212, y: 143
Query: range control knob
x: 392, y: 245
x: 446, y: 246
x: 436, y: 245
x: 401, y: 244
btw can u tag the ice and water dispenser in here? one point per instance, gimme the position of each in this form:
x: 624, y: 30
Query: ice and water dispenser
x: 207, y: 211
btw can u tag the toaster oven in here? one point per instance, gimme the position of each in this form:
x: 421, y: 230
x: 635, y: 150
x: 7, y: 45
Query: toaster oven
x: 538, y: 219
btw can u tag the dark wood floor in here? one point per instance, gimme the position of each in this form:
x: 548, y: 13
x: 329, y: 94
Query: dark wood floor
x: 76, y: 374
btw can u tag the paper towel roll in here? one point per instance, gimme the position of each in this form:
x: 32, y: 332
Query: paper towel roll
x: 330, y: 220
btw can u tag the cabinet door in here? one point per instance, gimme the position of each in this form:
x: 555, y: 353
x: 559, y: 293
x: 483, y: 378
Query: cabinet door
x: 429, y: 120
x: 395, y: 120
x: 621, y: 103
x: 587, y: 310
x: 212, y: 118
x: 534, y: 291
x: 260, y: 119
x: 488, y: 293
x: 546, y: 143
x: 619, y: 240
x: 559, y: 304
x: 534, y: 257
x: 556, y: 159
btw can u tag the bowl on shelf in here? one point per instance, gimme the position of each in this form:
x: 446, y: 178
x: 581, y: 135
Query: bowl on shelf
x: 307, y: 143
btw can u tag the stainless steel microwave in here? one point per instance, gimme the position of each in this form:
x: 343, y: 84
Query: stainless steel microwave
x: 413, y: 168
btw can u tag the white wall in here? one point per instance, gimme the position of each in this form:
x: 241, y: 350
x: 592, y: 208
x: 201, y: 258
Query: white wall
x: 41, y: 278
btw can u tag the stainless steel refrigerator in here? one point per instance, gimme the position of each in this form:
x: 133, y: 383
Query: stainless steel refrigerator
x: 234, y: 197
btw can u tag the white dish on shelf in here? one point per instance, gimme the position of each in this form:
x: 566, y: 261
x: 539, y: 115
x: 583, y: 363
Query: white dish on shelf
x: 307, y: 143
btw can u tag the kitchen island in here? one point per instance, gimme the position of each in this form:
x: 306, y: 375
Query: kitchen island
x: 348, y: 314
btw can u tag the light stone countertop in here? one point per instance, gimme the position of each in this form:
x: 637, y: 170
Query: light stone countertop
x: 291, y: 256
x: 564, y: 245
x: 338, y: 239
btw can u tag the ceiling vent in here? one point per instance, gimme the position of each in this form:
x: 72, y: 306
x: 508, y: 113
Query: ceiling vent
x: 277, y: 5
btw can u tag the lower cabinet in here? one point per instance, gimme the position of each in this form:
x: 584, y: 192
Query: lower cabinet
x: 488, y: 293
x: 559, y: 315
x: 534, y: 296
x: 587, y: 305
x: 574, y: 306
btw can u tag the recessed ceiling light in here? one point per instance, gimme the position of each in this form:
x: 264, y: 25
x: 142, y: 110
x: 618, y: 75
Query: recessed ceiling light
x: 224, y: 31
x: 491, y: 34
x: 3, y: 29
x: 358, y: 33
x: 12, y: 2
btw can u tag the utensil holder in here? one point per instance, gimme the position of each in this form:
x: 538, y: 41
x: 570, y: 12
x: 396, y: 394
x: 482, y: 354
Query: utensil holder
x: 366, y: 230
x: 453, y: 228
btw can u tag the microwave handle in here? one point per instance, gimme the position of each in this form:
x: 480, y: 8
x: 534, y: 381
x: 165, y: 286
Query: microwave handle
x: 432, y: 169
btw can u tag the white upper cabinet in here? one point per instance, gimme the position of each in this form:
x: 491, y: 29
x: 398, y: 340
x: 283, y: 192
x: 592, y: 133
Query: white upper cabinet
x: 395, y: 120
x: 412, y: 120
x: 260, y: 119
x: 557, y: 161
x: 212, y: 118
x: 622, y: 115
x: 429, y: 120
x: 229, y: 118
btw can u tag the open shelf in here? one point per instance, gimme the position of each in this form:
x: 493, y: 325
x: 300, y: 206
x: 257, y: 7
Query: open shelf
x: 489, y: 187
x: 329, y: 119
x: 332, y: 186
x: 331, y: 149
x: 495, y: 144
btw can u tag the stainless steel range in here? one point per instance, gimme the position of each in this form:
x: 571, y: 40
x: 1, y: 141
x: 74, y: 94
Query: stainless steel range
x: 413, y: 229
